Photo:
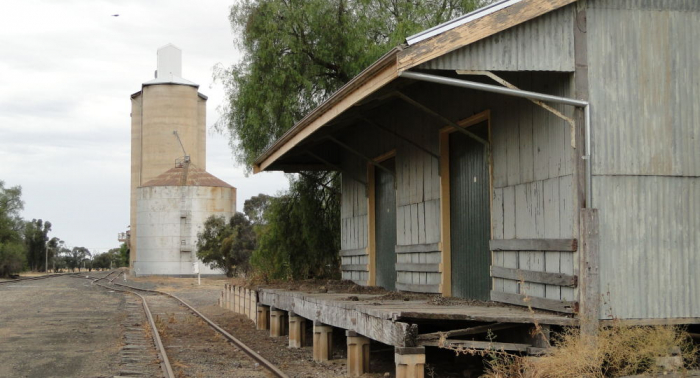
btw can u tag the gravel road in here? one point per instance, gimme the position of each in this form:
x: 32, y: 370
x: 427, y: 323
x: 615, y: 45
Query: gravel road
x: 59, y: 327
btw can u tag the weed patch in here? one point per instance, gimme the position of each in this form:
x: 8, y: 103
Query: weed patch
x: 617, y: 352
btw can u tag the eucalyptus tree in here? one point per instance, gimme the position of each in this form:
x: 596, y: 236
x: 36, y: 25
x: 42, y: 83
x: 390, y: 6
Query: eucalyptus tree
x: 12, y: 249
x: 36, y: 237
x: 226, y: 244
x: 77, y: 256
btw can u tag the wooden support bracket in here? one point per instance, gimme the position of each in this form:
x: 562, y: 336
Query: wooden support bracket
x: 439, y: 116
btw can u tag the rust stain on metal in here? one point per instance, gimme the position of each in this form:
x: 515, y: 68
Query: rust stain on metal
x: 187, y: 175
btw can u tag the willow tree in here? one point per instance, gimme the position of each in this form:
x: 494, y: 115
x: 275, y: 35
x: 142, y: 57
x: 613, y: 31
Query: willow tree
x: 296, y: 53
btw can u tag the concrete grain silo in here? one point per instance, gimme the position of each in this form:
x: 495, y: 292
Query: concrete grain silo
x: 170, y: 210
x: 168, y: 124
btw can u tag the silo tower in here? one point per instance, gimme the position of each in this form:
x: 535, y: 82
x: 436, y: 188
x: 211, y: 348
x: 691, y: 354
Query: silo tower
x: 168, y: 124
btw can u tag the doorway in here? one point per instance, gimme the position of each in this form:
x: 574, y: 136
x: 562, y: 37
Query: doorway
x: 385, y: 224
x: 466, y: 192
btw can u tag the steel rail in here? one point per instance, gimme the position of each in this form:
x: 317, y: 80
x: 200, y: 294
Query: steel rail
x: 167, y: 368
x: 38, y: 277
x: 250, y: 352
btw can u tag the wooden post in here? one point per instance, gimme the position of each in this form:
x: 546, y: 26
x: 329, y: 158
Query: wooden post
x: 589, y: 313
x: 229, y: 295
x: 263, y: 317
x: 278, y: 325
x: 236, y: 299
x: 253, y: 306
x: 297, y: 331
x: 223, y: 301
x: 323, y: 342
x: 246, y: 311
x: 358, y: 354
x: 410, y: 362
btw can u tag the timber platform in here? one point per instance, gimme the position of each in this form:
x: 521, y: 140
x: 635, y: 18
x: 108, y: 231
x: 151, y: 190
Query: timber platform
x: 408, y: 325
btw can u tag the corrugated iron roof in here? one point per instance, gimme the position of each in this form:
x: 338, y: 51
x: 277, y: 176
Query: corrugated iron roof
x: 186, y: 175
x: 451, y: 24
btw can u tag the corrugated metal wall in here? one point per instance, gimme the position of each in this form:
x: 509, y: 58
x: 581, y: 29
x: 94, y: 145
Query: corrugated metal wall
x: 470, y: 218
x: 650, y: 246
x: 385, y: 220
x: 644, y: 87
x: 532, y: 178
x: 544, y: 44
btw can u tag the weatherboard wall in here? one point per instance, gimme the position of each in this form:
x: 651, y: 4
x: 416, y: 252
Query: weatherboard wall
x: 644, y: 87
x: 532, y: 185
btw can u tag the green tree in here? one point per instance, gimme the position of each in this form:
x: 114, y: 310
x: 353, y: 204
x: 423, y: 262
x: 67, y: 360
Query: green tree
x: 226, y: 245
x: 254, y: 208
x: 56, y: 246
x: 123, y: 255
x: 310, y: 214
x: 296, y: 53
x: 76, y: 256
x: 36, y: 237
x: 12, y: 250
x: 102, y: 260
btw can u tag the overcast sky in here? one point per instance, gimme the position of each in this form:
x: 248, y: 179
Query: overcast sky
x: 67, y: 69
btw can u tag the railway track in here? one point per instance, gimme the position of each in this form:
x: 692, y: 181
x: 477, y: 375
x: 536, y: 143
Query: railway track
x: 194, y: 351
x: 22, y: 279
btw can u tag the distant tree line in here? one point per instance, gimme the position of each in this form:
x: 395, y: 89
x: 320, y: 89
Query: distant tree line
x: 26, y: 245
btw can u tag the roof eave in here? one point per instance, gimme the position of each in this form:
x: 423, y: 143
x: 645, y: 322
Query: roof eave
x: 362, y: 85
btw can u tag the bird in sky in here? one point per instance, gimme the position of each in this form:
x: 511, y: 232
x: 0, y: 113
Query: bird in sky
x: 115, y: 15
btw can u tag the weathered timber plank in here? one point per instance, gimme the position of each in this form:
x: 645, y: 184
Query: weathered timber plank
x: 342, y: 314
x: 416, y: 248
x: 480, y: 345
x: 354, y: 267
x: 464, y: 332
x: 548, y: 278
x: 418, y: 267
x: 542, y: 245
x: 552, y: 230
x: 417, y: 288
x: 543, y: 303
x: 510, y: 259
x: 353, y: 252
x: 590, y: 281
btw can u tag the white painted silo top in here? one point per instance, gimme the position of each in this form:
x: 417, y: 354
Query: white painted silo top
x: 169, y: 62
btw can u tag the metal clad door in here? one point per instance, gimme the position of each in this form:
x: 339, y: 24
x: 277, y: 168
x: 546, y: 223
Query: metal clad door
x: 385, y: 225
x: 470, y: 216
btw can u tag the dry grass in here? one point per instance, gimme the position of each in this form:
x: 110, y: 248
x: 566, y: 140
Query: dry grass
x: 619, y: 351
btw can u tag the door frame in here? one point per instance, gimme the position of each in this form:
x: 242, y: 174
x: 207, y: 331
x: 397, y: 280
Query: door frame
x: 445, y: 231
x: 371, y: 218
